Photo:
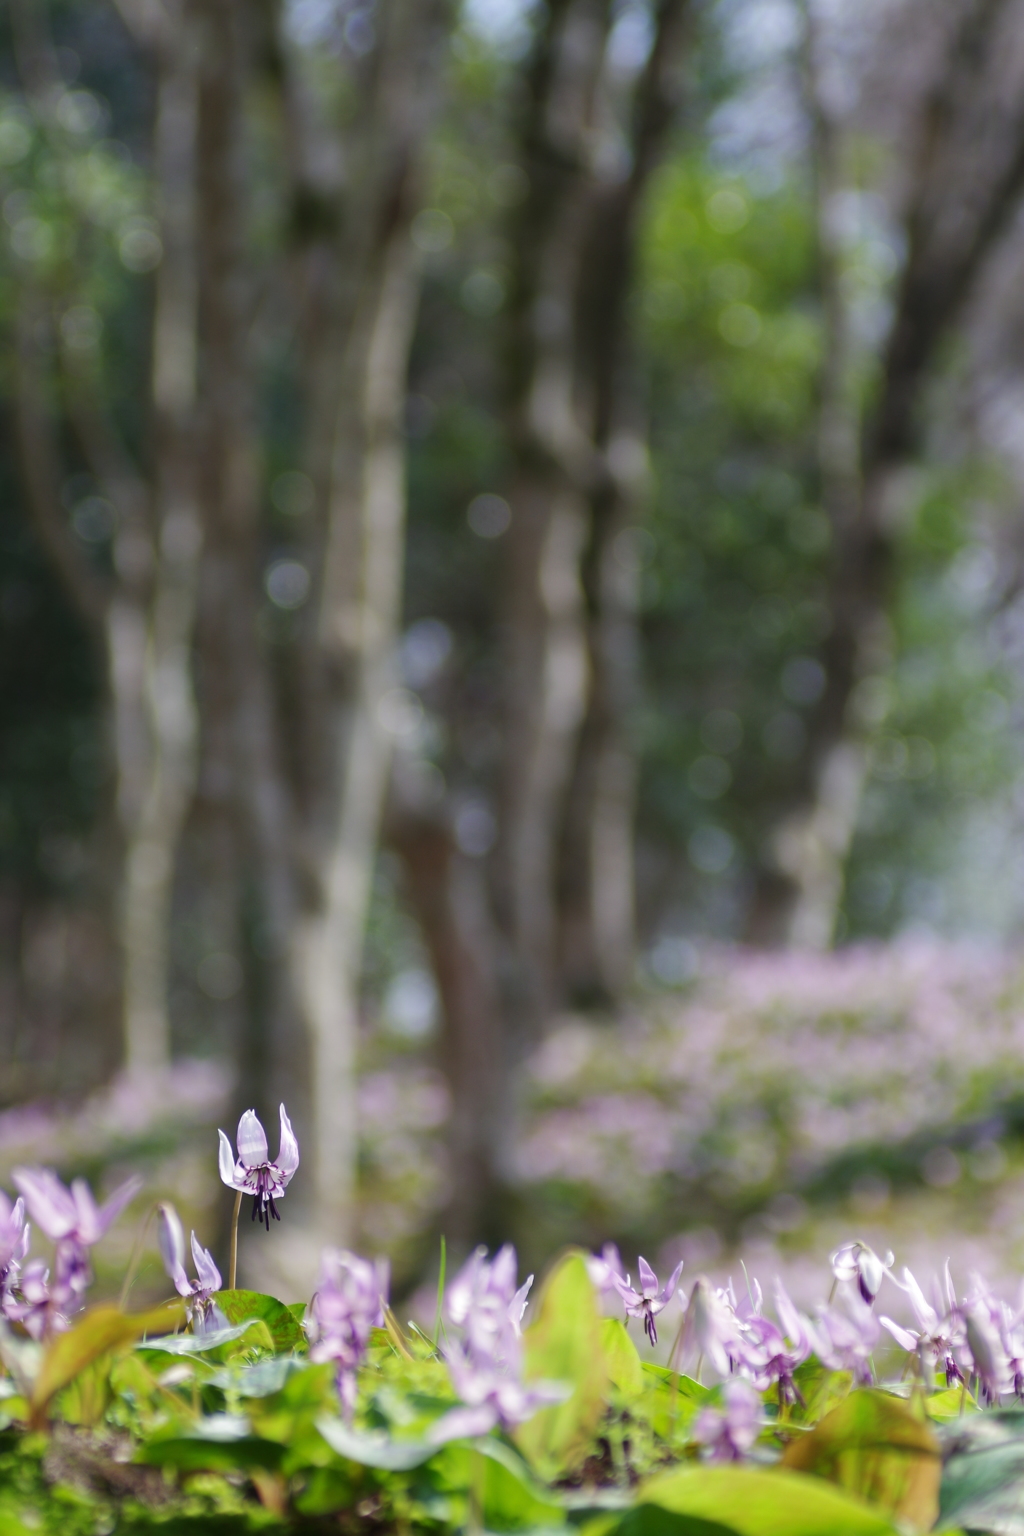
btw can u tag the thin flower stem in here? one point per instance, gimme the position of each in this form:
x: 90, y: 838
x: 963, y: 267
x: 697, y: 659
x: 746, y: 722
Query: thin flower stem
x: 440, y: 1290
x: 233, y: 1262
x: 136, y: 1257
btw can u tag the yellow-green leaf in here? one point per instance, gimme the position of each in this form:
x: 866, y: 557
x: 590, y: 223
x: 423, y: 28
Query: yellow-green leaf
x: 878, y: 1447
x: 564, y: 1344
x: 100, y: 1330
x: 624, y: 1368
x: 754, y: 1502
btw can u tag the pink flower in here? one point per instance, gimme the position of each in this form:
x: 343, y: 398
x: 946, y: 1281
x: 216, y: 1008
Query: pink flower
x: 649, y: 1300
x: 727, y: 1433
x: 349, y: 1301
x: 198, y: 1293
x: 253, y: 1173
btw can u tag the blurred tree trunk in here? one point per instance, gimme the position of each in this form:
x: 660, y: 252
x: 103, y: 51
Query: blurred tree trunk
x: 965, y: 179
x: 595, y: 868
x: 145, y: 614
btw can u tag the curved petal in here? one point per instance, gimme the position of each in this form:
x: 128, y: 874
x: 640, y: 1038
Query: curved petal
x: 517, y: 1306
x: 648, y: 1279
x: 462, y: 1424
x: 111, y: 1209
x: 206, y: 1269
x: 902, y: 1337
x: 170, y: 1240
x: 288, y: 1157
x: 50, y: 1204
x: 88, y: 1227
x: 226, y: 1164
x: 252, y: 1141
x: 670, y: 1284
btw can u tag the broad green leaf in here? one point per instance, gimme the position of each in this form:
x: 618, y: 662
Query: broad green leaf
x: 821, y: 1390
x: 876, y: 1446
x: 564, y: 1344
x: 208, y: 1449
x: 100, y: 1330
x: 281, y: 1323
x: 651, y: 1520
x: 624, y: 1368
x: 952, y: 1403
x: 983, y: 1479
x: 694, y: 1391
x: 374, y: 1447
x: 494, y: 1476
x: 754, y: 1502
x: 260, y: 1380
x: 195, y: 1343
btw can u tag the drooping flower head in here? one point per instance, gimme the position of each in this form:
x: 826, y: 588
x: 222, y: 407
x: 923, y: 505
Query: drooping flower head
x: 349, y: 1301
x: 253, y: 1173
x: 494, y: 1395
x: 604, y: 1267
x: 768, y: 1353
x: 728, y: 1432
x: 649, y: 1300
x: 940, y: 1328
x: 202, y: 1310
x: 845, y: 1336
x: 857, y: 1262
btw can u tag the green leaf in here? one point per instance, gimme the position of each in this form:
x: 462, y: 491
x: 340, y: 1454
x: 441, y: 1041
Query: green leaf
x: 374, y: 1447
x: 281, y: 1322
x: 196, y: 1343
x: 208, y: 1450
x: 983, y: 1480
x: 951, y: 1404
x: 564, y: 1344
x: 624, y: 1368
x: 495, y: 1475
x: 878, y: 1447
x: 100, y: 1330
x: 260, y: 1380
x: 754, y: 1502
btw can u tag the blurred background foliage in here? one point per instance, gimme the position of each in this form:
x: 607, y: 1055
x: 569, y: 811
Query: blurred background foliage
x: 736, y: 559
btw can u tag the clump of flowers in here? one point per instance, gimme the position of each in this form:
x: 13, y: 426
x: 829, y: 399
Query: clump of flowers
x: 349, y: 1301
x: 486, y: 1363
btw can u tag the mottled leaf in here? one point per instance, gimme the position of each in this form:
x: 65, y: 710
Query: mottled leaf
x: 281, y: 1323
x: 100, y: 1330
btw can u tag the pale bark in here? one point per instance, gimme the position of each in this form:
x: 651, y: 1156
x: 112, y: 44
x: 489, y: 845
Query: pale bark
x: 359, y: 623
x: 145, y: 616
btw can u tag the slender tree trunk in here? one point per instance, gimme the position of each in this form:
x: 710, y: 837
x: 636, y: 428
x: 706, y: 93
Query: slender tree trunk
x: 359, y: 624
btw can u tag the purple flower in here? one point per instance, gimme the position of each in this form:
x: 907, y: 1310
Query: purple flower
x: 604, y: 1268
x: 768, y: 1353
x: 988, y: 1363
x: 856, y: 1261
x: 253, y: 1173
x: 727, y: 1433
x: 33, y: 1305
x: 484, y: 1302
x: 71, y: 1214
x: 202, y: 1310
x: 494, y: 1395
x: 712, y: 1329
x: 939, y: 1330
x: 349, y: 1301
x: 648, y: 1301
x: 73, y: 1220
x: 845, y: 1336
x: 14, y: 1240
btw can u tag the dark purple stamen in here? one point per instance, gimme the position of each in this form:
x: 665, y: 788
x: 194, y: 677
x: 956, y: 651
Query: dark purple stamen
x: 649, y: 1328
x: 263, y: 1206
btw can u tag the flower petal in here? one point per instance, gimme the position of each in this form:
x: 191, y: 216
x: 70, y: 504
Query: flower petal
x: 170, y: 1240
x: 288, y: 1156
x: 226, y: 1164
x: 88, y: 1226
x: 206, y: 1269
x: 50, y: 1204
x: 111, y: 1209
x: 670, y: 1284
x: 902, y: 1337
x: 648, y: 1279
x: 252, y: 1141
x: 462, y: 1424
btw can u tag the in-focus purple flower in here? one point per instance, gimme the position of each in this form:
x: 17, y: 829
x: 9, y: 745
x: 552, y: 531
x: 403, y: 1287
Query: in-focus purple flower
x: 349, y: 1301
x: 727, y: 1433
x: 845, y: 1336
x: 484, y: 1301
x: 857, y: 1262
x: 253, y: 1173
x: 202, y: 1310
x: 940, y: 1330
x: 649, y: 1300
